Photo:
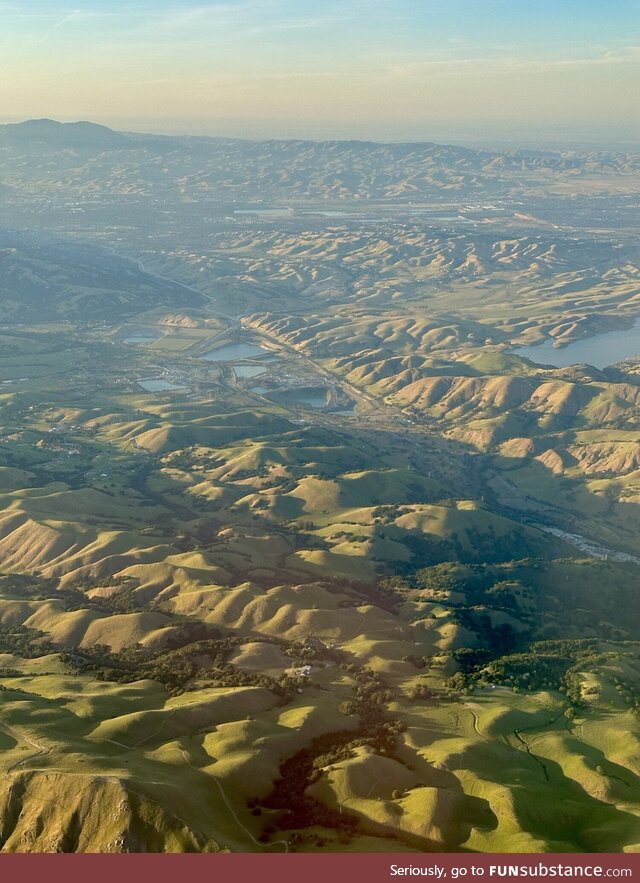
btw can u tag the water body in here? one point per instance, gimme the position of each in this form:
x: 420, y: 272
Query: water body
x: 248, y: 370
x: 158, y: 385
x: 349, y: 410
x: 311, y: 400
x: 292, y: 397
x: 142, y: 337
x: 600, y: 351
x: 308, y: 398
x: 234, y: 351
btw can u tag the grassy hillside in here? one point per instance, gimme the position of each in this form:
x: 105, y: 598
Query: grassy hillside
x: 296, y: 552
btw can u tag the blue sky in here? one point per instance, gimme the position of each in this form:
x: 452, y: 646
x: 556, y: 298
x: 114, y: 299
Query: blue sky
x: 404, y: 66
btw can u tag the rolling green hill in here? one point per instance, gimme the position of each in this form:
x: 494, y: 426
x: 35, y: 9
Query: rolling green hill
x: 296, y: 552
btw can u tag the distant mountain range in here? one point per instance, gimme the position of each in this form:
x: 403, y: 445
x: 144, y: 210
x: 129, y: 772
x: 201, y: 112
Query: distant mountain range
x: 280, y: 169
x: 51, y: 133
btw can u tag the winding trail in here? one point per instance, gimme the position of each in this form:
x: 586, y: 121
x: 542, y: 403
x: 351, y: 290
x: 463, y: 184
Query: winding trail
x: 41, y: 752
x: 475, y: 722
x: 187, y: 760
x: 232, y: 811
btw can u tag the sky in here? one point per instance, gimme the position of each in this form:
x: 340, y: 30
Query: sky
x: 382, y: 69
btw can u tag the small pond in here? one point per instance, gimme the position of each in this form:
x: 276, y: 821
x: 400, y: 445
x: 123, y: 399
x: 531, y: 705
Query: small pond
x: 248, y: 370
x: 140, y: 337
x: 158, y: 385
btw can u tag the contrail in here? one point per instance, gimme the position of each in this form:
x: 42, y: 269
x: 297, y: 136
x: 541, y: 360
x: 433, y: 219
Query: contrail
x: 59, y: 24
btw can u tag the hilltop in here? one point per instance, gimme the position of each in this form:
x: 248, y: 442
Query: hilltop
x: 35, y: 135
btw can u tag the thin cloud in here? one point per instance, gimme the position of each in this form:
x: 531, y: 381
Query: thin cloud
x: 628, y: 56
x: 297, y: 25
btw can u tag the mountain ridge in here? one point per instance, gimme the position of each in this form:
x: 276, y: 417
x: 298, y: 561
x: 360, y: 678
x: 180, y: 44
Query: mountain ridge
x: 55, y: 133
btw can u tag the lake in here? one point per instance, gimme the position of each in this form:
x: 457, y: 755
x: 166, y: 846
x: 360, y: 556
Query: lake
x: 142, y: 337
x: 248, y: 370
x: 310, y: 400
x: 158, y: 385
x: 234, y: 351
x: 306, y: 397
x: 350, y: 409
x: 599, y: 351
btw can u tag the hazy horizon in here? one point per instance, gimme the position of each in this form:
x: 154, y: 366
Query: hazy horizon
x: 489, y: 136
x: 372, y: 69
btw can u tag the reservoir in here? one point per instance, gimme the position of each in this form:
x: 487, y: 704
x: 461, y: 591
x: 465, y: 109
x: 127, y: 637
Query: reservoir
x: 310, y: 400
x: 307, y: 397
x: 599, y: 351
x: 234, y: 351
x: 158, y: 385
x: 248, y: 370
x: 140, y: 337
